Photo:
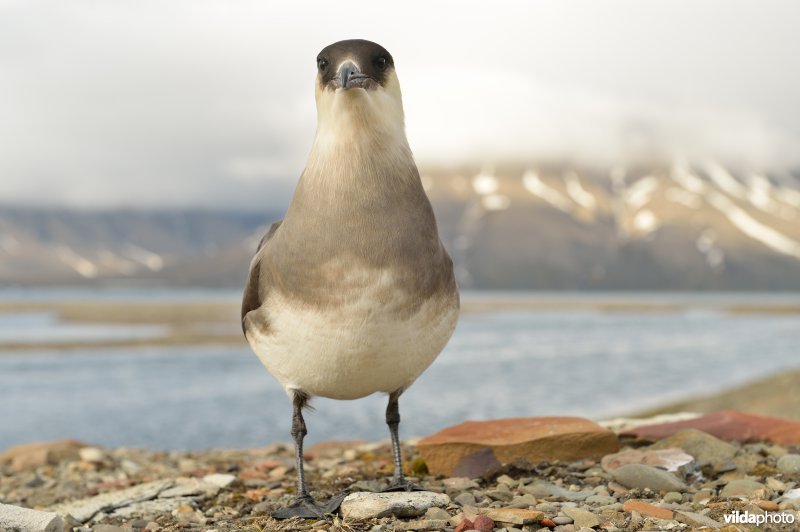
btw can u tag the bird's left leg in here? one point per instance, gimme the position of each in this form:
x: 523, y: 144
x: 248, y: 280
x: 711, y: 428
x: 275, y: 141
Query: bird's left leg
x: 304, y: 505
x: 399, y: 481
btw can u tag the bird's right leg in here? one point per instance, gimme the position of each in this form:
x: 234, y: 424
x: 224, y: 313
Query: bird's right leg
x: 304, y: 505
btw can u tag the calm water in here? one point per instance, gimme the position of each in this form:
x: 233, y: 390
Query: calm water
x: 500, y: 364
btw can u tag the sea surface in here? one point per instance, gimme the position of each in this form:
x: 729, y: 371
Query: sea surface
x: 498, y: 364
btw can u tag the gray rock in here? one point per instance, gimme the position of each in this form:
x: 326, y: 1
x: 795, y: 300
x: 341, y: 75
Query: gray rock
x: 541, y: 489
x: 459, y: 483
x: 672, y: 459
x: 465, y: 499
x: 503, y: 495
x: 436, y: 514
x: 696, y: 520
x: 705, y: 448
x: 151, y: 508
x: 522, y: 501
x: 422, y: 524
x: 673, y: 497
x: 744, y: 488
x: 185, y: 487
x: 364, y: 505
x: 27, y: 520
x: 84, y: 509
x: 547, y: 507
x: 107, y: 528
x: 789, y: 463
x: 582, y: 518
x: 601, y: 500
x: 562, y: 520
x: 644, y: 476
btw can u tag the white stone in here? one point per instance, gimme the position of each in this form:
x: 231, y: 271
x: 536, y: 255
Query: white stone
x: 365, y: 505
x: 792, y: 494
x: 91, y: 454
x: 27, y: 520
x: 220, y: 479
x: 84, y: 509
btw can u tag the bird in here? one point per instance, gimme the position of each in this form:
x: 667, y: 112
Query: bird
x: 353, y: 292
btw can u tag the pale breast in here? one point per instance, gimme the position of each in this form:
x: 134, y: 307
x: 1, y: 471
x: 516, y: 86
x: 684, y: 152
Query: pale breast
x: 369, y: 343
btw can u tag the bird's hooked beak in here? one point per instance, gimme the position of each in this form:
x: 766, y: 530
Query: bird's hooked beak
x: 349, y: 76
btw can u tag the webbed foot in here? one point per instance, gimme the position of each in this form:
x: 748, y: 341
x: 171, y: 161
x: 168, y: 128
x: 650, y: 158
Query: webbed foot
x: 306, y: 507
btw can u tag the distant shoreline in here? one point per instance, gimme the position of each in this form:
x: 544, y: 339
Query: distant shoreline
x: 215, y: 320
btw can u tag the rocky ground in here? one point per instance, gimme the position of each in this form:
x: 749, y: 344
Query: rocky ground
x: 685, y: 481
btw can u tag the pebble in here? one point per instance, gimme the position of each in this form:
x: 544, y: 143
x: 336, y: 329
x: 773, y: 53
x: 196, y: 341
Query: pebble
x: 600, y: 500
x: 644, y: 476
x: 745, y: 488
x: 232, y: 490
x: 789, y: 463
x: 514, y: 516
x: 465, y: 499
x: 582, y: 518
x: 365, y: 505
x: 503, y: 495
x: 705, y: 448
x: 694, y: 519
x: 671, y: 459
x: 523, y: 501
x: 422, y: 524
x: 435, y: 513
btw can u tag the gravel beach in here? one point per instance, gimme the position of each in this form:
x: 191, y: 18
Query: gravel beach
x: 686, y: 481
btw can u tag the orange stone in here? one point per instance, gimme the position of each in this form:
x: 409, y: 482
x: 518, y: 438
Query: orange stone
x: 549, y: 523
x: 769, y: 506
x: 33, y: 455
x: 729, y: 425
x: 645, y: 508
x: 475, y: 448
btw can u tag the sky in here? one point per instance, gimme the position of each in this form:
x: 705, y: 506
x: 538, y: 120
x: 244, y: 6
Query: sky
x: 199, y: 103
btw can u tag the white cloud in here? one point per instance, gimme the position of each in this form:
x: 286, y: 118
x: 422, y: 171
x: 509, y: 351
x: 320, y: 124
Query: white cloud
x: 208, y: 102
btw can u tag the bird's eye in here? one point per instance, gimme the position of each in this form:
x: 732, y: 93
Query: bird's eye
x: 322, y: 63
x: 380, y: 63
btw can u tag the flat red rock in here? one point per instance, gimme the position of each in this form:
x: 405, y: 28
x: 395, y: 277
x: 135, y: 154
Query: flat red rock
x: 729, y: 425
x: 475, y: 448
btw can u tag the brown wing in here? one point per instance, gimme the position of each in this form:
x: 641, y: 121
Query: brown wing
x: 251, y: 299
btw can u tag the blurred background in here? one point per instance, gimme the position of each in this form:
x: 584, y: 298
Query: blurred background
x: 618, y: 183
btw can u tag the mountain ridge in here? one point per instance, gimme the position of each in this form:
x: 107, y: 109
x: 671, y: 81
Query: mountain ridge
x: 671, y: 227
